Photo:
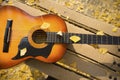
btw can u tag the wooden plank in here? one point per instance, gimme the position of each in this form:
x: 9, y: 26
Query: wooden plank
x: 53, y: 70
x: 86, y: 66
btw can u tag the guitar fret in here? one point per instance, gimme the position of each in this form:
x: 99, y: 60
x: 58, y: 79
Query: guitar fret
x: 100, y: 42
x: 119, y: 40
x: 80, y: 36
x: 110, y: 41
x: 98, y: 39
x: 70, y: 36
x: 64, y: 36
x: 94, y: 39
x: 89, y: 39
x: 54, y: 37
x: 68, y: 40
x: 101, y: 39
x: 82, y: 39
x: 107, y: 39
x: 47, y: 37
x: 60, y: 38
x: 104, y: 39
x: 85, y: 39
x: 50, y: 37
x: 115, y: 40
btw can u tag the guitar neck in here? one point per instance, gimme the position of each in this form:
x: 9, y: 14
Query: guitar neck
x: 84, y: 38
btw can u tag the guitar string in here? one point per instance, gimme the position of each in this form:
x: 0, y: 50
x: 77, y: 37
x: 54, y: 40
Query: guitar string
x: 99, y: 39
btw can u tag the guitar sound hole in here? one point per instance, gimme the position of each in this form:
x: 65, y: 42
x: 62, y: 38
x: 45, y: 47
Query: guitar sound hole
x: 39, y: 36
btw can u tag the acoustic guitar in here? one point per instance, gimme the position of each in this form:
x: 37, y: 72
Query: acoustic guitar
x: 44, y: 38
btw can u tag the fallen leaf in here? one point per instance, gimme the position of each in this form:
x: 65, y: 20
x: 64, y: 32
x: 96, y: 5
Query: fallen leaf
x: 75, y: 38
x: 100, y: 33
x: 103, y: 50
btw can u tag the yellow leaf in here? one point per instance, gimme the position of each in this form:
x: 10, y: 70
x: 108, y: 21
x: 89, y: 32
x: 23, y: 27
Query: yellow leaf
x: 117, y: 24
x: 59, y: 14
x: 68, y: 4
x: 80, y: 8
x: 67, y: 17
x: 62, y: 60
x: 45, y: 25
x: 100, y: 33
x: 74, y: 65
x: 96, y: 13
x: 95, y: 46
x: 60, y: 33
x: 30, y: 2
x: 75, y: 38
x: 10, y: 2
x: 103, y: 50
x: 23, y: 51
x: 115, y: 29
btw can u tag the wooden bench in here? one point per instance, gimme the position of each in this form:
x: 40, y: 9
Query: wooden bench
x: 81, y: 61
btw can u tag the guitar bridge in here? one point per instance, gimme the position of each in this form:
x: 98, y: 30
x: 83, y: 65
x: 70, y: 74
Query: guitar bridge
x: 7, y: 35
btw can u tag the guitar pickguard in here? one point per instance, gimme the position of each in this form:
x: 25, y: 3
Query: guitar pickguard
x: 31, y: 51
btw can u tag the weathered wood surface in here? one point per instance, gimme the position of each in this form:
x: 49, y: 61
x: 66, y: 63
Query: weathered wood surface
x: 83, y: 57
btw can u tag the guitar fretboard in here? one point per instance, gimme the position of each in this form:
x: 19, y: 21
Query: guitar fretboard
x: 52, y: 37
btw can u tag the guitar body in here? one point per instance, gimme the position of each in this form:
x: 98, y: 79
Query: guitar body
x: 24, y: 25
